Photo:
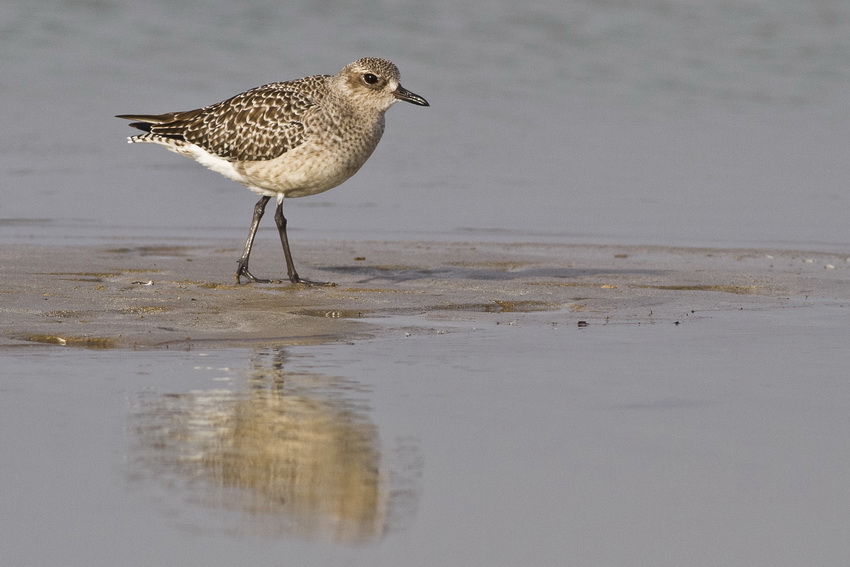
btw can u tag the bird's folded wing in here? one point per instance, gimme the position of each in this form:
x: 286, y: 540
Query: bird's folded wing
x: 259, y: 124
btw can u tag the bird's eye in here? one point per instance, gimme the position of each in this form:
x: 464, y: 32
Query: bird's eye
x: 370, y: 78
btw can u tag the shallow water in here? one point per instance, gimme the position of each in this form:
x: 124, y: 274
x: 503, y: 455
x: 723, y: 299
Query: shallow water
x: 677, y: 122
x: 719, y: 441
x: 704, y: 443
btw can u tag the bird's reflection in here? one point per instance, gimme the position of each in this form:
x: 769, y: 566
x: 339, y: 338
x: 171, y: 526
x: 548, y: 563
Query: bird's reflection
x: 292, y: 453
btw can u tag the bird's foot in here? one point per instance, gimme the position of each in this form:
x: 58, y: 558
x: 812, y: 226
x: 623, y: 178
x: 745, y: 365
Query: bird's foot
x: 296, y: 279
x: 243, y: 272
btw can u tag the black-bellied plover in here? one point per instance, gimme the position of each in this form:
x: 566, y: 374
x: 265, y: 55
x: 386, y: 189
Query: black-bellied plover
x: 289, y: 139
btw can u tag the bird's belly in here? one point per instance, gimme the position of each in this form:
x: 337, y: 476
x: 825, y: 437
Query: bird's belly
x: 302, y: 172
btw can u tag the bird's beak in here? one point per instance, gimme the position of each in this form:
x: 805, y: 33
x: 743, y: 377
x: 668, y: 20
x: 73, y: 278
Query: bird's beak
x: 402, y: 93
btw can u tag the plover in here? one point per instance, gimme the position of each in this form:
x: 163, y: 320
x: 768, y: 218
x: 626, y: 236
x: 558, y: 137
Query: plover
x: 285, y: 139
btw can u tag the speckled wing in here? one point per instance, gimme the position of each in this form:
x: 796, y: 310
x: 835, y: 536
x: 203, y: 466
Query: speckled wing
x: 260, y: 124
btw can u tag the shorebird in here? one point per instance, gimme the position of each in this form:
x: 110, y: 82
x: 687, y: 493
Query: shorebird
x: 285, y: 139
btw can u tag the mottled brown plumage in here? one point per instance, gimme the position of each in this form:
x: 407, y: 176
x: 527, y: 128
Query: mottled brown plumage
x: 287, y: 139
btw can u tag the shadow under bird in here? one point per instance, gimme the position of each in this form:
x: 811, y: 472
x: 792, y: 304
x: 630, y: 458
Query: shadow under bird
x: 285, y: 139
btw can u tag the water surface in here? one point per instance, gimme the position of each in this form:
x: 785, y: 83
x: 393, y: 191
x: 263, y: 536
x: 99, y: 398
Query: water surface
x: 450, y: 443
x: 674, y: 122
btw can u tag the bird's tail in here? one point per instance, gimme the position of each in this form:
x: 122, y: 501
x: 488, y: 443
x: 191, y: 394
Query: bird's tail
x: 144, y: 122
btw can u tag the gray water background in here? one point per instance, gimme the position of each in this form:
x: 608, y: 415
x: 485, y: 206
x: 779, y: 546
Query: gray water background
x: 669, y: 122
x: 513, y: 445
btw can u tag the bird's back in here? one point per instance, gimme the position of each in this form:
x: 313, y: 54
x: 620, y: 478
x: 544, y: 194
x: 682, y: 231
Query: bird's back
x: 259, y: 124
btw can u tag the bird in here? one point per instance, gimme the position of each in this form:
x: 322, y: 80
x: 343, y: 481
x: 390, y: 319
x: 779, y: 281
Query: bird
x: 285, y: 139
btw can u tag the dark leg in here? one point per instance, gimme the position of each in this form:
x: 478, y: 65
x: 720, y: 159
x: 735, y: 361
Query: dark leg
x: 242, y: 267
x: 280, y: 220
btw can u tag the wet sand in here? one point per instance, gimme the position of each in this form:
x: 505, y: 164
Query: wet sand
x: 164, y: 296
